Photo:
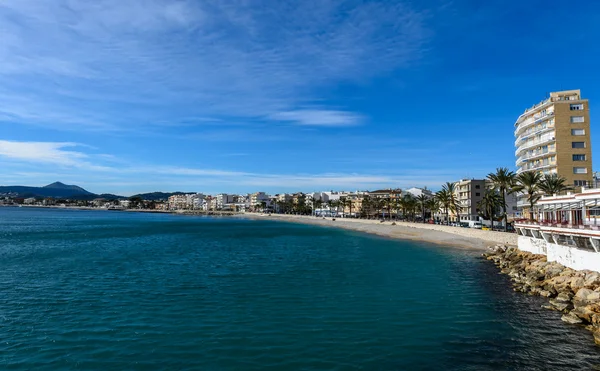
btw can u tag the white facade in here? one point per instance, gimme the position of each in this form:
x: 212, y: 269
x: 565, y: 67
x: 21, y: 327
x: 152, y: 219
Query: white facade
x: 259, y: 197
x: 568, y: 256
x: 419, y: 191
x: 224, y: 199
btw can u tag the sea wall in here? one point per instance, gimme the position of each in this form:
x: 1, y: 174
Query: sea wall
x: 568, y: 256
x: 575, y: 293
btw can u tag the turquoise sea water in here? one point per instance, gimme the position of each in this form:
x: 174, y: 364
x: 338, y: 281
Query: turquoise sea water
x: 98, y: 290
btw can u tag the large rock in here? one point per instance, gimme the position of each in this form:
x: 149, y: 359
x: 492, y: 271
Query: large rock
x: 584, y: 297
x: 564, y: 297
x: 561, y: 306
x: 571, y: 318
x: 553, y: 270
x: 594, y: 297
x: 546, y: 293
x: 582, y: 294
x: 577, y: 283
x: 597, y: 337
x: 596, y: 320
x: 584, y: 313
x: 592, y: 280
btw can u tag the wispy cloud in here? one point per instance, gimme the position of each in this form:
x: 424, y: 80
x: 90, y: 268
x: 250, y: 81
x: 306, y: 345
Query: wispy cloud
x: 319, y: 117
x: 53, y: 153
x: 116, y: 65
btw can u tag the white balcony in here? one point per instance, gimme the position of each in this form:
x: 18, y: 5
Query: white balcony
x: 536, y: 168
x: 535, y: 155
x: 548, y: 139
x: 532, y: 121
x: 534, y: 133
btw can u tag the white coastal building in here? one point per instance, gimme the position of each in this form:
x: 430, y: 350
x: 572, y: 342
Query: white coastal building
x: 566, y: 229
x: 415, y: 191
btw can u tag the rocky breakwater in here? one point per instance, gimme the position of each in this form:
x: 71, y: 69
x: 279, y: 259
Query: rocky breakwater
x: 574, y: 293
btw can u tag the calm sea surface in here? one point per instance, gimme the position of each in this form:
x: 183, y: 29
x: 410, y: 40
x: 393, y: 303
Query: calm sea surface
x: 126, y: 291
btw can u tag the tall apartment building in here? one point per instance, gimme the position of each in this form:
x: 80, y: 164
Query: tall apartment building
x: 554, y: 137
x: 469, y: 192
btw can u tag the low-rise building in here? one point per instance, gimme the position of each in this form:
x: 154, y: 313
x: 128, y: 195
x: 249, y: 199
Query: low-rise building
x: 469, y: 193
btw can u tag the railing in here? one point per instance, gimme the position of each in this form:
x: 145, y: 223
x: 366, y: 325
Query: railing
x: 534, y: 155
x: 579, y: 224
x: 534, y: 143
x: 534, y: 168
x: 531, y: 121
x: 534, y: 133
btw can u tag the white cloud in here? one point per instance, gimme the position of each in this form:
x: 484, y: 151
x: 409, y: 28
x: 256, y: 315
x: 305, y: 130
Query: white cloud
x: 70, y: 64
x: 47, y: 153
x: 319, y: 117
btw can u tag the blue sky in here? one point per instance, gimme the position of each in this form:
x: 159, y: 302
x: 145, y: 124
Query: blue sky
x: 239, y: 96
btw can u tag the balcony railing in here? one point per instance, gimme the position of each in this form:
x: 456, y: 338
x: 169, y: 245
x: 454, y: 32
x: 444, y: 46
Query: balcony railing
x: 535, y: 168
x: 524, y: 146
x: 531, y: 121
x: 535, y: 155
x: 588, y: 223
x: 534, y: 133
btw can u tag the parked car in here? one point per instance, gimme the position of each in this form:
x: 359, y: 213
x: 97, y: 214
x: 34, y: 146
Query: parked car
x: 475, y: 224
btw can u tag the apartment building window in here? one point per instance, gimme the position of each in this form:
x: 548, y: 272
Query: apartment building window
x: 580, y: 183
x: 576, y: 107
x: 477, y: 194
x: 477, y: 186
x: 579, y: 170
x: 578, y: 145
x: 577, y: 132
x: 576, y: 119
x: 578, y: 157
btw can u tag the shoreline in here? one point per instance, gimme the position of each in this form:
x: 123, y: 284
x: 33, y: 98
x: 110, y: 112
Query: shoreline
x: 468, y: 238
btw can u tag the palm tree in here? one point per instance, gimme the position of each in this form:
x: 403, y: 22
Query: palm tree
x: 504, y: 181
x: 336, y: 204
x: 453, y: 202
x: 552, y: 184
x: 346, y: 202
x: 445, y: 201
x: 317, y: 203
x: 433, y: 204
x: 366, y: 204
x: 422, y: 199
x: 529, y: 183
x: 379, y: 206
x: 490, y: 202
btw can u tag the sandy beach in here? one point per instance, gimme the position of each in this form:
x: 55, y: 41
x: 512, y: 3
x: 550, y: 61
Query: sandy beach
x: 439, y: 234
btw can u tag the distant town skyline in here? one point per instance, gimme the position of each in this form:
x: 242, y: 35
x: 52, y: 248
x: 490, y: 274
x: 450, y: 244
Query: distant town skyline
x: 237, y: 97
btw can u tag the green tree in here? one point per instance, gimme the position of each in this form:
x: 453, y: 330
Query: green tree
x: 529, y: 182
x: 552, y: 184
x: 433, y: 205
x: 489, y: 204
x: 134, y: 202
x: 346, y: 202
x: 504, y: 181
x: 366, y: 205
x: 445, y: 201
x: 422, y: 200
x: 449, y: 200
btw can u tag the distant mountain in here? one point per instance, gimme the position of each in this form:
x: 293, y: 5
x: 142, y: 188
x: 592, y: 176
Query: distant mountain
x: 75, y: 189
x: 157, y: 196
x: 56, y: 190
x: 73, y: 192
